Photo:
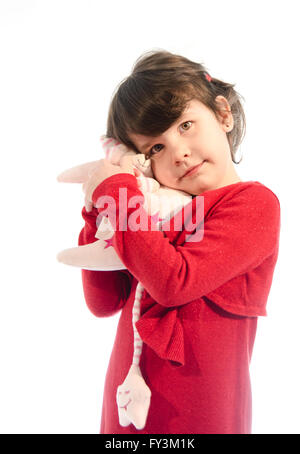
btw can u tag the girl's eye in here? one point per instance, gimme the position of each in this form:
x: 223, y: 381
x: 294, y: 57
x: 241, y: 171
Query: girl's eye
x: 154, y: 149
x: 186, y: 125
x: 157, y: 145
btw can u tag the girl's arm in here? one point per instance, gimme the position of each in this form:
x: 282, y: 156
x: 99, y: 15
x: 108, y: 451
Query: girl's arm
x: 105, y: 292
x: 240, y: 235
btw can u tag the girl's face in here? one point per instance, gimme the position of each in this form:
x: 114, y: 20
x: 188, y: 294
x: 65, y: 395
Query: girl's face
x: 198, y: 139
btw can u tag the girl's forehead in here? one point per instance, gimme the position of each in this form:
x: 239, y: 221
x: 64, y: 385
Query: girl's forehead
x: 194, y: 107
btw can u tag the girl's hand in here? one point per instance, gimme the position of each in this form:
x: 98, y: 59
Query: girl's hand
x: 103, y: 170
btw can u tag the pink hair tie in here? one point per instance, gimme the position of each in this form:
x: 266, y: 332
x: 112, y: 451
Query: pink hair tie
x: 207, y: 76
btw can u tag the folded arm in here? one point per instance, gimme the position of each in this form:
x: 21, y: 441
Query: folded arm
x: 105, y: 292
x: 238, y: 236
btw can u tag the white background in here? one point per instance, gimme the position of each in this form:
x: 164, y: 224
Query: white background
x: 60, y: 62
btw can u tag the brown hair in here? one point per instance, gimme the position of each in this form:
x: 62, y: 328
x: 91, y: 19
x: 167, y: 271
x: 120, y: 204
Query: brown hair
x: 157, y: 92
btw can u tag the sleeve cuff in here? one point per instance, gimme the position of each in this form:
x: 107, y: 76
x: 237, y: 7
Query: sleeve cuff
x: 161, y: 329
x: 110, y: 186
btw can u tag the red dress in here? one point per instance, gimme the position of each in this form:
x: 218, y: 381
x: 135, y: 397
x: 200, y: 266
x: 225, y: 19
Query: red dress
x: 198, y: 311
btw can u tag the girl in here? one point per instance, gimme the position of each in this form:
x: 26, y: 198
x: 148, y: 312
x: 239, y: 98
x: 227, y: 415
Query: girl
x: 202, y: 298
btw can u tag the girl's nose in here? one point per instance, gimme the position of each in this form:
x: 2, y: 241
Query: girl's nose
x: 180, y: 153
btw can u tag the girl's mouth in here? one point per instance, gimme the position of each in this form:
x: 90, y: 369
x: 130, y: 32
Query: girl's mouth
x: 193, y: 170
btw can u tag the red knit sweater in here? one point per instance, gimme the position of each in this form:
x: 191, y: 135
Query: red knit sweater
x: 198, y: 312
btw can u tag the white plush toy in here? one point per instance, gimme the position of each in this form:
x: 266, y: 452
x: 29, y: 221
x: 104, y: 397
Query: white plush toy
x: 133, y: 395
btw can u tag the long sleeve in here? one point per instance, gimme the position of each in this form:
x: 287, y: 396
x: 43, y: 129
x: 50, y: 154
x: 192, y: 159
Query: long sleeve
x: 105, y: 292
x: 239, y: 234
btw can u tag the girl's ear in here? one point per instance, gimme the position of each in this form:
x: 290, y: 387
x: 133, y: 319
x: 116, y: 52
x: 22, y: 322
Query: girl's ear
x: 224, y: 114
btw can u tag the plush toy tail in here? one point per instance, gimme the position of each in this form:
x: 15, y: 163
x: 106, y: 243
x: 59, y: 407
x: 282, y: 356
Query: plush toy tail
x: 136, y: 313
x: 133, y: 396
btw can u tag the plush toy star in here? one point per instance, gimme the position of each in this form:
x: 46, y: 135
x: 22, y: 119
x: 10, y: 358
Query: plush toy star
x: 161, y: 203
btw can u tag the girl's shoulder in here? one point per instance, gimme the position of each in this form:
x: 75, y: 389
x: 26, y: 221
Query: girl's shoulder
x: 258, y: 191
x: 240, y: 207
x: 241, y: 200
x: 241, y: 191
x: 257, y: 184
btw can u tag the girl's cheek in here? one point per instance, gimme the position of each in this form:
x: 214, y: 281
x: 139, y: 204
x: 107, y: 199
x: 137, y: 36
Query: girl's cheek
x: 153, y: 168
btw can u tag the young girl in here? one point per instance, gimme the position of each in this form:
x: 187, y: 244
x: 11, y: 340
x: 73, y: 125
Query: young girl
x: 202, y: 298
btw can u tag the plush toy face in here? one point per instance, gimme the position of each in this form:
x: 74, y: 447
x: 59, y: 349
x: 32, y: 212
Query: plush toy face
x: 115, y: 150
x: 133, y: 399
